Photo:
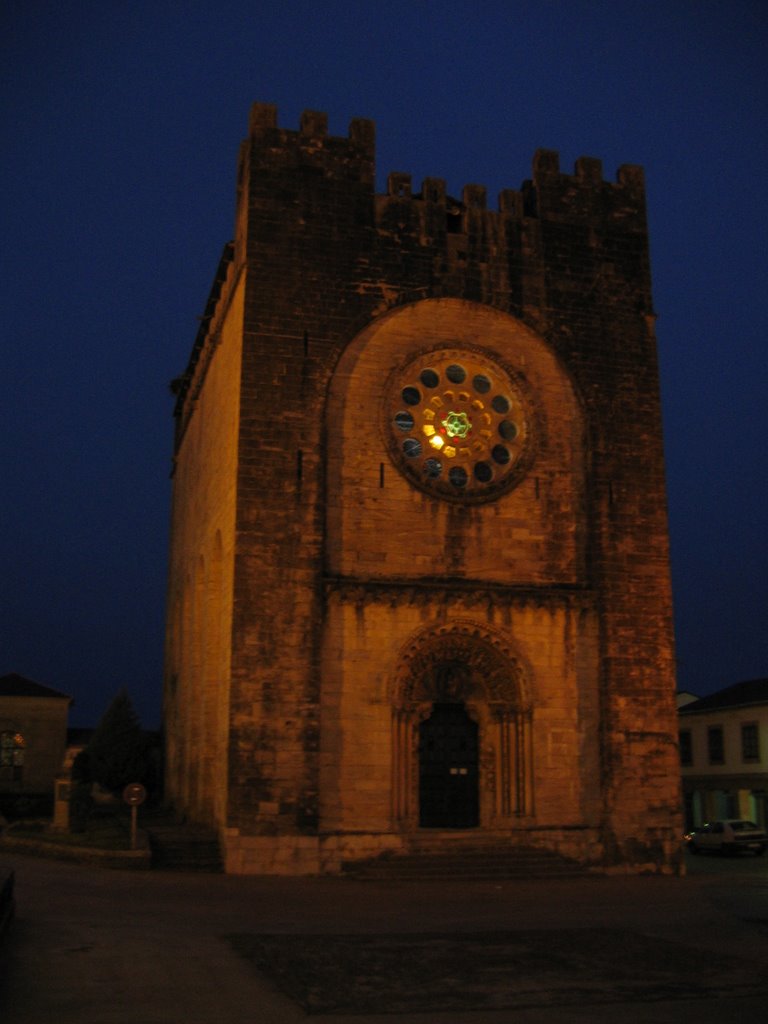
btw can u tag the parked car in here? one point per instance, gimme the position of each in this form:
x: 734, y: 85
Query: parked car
x: 729, y: 835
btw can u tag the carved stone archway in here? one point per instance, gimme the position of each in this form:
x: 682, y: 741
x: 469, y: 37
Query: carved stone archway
x: 464, y: 662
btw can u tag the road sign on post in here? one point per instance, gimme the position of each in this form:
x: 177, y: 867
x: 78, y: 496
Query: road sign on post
x: 134, y: 794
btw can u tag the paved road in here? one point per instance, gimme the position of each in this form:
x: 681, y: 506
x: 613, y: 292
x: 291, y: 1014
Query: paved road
x: 95, y: 946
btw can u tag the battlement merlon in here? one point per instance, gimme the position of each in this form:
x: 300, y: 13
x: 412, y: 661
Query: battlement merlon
x: 588, y: 170
x: 585, y: 193
x: 356, y: 153
x: 550, y: 194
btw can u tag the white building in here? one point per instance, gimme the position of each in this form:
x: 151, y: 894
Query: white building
x: 724, y: 754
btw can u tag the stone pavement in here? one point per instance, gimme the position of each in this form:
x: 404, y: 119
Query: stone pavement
x: 97, y: 946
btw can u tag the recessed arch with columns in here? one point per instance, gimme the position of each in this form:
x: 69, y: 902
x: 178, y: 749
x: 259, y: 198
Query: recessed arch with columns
x: 468, y: 663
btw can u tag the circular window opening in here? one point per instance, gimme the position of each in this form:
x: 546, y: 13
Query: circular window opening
x: 458, y: 476
x: 468, y: 442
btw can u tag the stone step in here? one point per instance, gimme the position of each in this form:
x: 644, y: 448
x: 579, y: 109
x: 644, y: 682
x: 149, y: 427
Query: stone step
x: 478, y: 863
x: 185, y: 848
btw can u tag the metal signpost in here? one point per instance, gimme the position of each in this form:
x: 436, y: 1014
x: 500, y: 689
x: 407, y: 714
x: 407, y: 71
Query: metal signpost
x: 134, y: 794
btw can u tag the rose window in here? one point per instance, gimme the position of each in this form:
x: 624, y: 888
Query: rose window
x: 457, y: 426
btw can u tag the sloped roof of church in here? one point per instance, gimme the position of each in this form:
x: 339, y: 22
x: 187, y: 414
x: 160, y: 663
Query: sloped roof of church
x: 753, y: 691
x: 14, y: 685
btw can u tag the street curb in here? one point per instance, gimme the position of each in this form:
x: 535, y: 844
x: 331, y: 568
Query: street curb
x: 140, y: 859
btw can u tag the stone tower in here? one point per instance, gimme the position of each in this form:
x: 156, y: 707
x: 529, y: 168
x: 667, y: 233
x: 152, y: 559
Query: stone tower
x: 419, y: 581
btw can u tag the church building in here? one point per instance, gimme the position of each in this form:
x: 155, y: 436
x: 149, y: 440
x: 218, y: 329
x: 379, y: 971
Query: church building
x: 419, y: 587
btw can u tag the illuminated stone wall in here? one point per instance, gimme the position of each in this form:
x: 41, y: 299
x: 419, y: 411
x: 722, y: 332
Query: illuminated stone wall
x: 361, y: 578
x: 196, y: 707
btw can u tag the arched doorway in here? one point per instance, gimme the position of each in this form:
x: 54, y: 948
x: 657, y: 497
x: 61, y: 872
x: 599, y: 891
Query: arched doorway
x: 461, y: 731
x: 448, y: 770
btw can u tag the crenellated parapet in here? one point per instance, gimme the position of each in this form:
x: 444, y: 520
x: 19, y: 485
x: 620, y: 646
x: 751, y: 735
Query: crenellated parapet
x: 316, y: 192
x: 585, y: 194
x: 310, y: 222
x: 550, y: 193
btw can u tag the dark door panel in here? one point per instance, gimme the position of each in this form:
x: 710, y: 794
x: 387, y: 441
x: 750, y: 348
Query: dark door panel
x: 448, y: 777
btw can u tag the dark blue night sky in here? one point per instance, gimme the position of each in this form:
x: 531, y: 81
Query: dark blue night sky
x: 120, y: 129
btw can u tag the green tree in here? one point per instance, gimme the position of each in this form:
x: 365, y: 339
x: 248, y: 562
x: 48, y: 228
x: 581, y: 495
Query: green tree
x: 117, y: 753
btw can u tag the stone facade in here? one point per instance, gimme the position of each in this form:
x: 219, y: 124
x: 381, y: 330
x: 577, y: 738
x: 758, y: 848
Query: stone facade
x: 419, y: 574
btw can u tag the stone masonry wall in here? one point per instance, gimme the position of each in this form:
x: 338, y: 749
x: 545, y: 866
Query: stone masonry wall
x: 325, y: 260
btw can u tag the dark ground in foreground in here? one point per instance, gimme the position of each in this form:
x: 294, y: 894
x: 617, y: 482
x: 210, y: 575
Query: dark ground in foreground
x: 353, y: 974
